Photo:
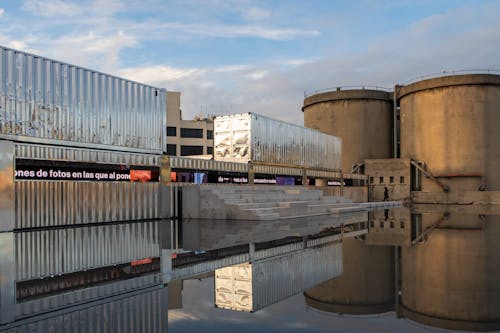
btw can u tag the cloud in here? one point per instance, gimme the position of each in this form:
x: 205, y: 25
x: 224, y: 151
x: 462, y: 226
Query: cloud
x: 52, y: 8
x: 158, y: 74
x: 2, y: 11
x: 256, y: 13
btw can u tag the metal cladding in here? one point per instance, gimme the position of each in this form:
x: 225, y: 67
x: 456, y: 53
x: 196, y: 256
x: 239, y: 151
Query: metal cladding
x: 44, y: 253
x: 46, y: 100
x: 362, y: 118
x: 253, y: 286
x: 255, y: 138
x: 47, y: 203
x: 129, y: 313
x: 451, y: 124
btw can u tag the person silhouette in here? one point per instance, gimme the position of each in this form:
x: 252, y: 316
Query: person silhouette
x: 386, y: 194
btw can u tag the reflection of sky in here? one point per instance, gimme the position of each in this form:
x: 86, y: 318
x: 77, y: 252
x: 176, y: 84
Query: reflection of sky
x: 291, y: 315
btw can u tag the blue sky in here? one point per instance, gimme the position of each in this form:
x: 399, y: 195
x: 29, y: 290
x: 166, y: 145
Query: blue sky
x: 259, y: 56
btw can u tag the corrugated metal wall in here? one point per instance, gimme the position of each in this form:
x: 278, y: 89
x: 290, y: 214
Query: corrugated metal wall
x: 74, y: 297
x: 144, y: 312
x: 41, y: 203
x: 51, y: 252
x: 47, y: 99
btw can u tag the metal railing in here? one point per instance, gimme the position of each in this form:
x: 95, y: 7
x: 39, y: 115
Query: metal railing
x: 347, y: 87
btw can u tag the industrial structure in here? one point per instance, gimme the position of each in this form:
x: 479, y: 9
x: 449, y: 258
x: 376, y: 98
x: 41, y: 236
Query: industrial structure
x: 428, y: 142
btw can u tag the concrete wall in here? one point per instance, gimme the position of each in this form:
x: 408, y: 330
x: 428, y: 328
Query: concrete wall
x: 354, y: 193
x: 451, y: 123
x: 361, y: 118
x: 389, y: 227
x: 367, y: 283
x: 452, y: 279
x: 391, y: 173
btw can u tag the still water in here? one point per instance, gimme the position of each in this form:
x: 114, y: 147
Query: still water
x: 443, y: 260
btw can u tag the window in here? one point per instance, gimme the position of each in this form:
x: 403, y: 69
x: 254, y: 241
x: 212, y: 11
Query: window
x: 210, y: 134
x: 192, y: 133
x: 381, y: 180
x: 402, y: 224
x: 172, y: 150
x: 392, y: 224
x: 372, y: 224
x: 391, y: 179
x: 401, y: 180
x: 371, y: 180
x: 381, y: 224
x: 171, y: 131
x: 191, y: 150
x: 210, y: 150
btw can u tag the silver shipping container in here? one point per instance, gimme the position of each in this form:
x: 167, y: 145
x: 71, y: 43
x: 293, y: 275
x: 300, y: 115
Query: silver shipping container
x: 46, y: 100
x: 255, y: 138
x: 252, y: 286
x: 145, y: 311
x: 44, y: 253
x: 45, y: 203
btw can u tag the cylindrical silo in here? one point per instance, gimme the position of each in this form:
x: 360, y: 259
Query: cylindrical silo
x: 451, y: 124
x: 366, y: 285
x: 362, y: 118
x: 452, y: 278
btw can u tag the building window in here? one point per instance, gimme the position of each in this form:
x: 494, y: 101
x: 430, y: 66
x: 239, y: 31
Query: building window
x: 372, y: 224
x: 171, y: 131
x: 371, y: 180
x: 402, y: 224
x: 210, y: 150
x: 401, y: 180
x: 172, y: 150
x: 381, y: 180
x: 191, y: 150
x: 210, y: 134
x: 391, y: 179
x: 392, y: 224
x: 381, y: 224
x: 192, y: 133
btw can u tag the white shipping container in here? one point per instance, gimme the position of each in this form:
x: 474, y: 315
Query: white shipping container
x: 252, y: 286
x: 254, y: 138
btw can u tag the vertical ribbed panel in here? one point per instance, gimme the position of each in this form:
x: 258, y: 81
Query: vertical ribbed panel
x: 146, y: 312
x: 47, y: 99
x: 51, y: 252
x: 52, y: 203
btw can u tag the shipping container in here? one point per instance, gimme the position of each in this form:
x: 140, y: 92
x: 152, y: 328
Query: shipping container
x: 143, y: 311
x: 36, y: 200
x: 252, y: 286
x: 254, y: 138
x: 46, y: 100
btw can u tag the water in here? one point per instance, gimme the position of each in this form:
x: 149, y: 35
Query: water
x: 444, y: 260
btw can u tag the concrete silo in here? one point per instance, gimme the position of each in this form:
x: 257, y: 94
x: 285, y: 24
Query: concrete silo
x: 451, y: 124
x: 362, y: 118
x: 452, y: 278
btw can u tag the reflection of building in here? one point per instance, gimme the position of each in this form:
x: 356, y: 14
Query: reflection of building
x: 389, y: 227
x: 451, y: 277
x: 187, y: 137
x: 366, y: 285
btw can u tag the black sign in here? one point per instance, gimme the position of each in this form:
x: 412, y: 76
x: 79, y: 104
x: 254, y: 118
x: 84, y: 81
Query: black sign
x: 83, y: 171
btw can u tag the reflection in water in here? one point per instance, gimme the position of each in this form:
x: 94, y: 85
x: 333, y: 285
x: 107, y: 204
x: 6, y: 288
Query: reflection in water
x: 451, y: 277
x: 447, y: 271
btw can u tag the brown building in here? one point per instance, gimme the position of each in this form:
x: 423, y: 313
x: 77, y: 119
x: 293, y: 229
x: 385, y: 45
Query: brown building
x: 187, y: 137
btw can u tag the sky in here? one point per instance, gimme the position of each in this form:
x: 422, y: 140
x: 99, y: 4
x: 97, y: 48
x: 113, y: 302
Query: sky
x: 238, y: 56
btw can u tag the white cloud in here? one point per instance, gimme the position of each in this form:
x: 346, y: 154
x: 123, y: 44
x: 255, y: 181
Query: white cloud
x: 256, y: 13
x: 52, y: 8
x: 2, y: 11
x: 158, y: 74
